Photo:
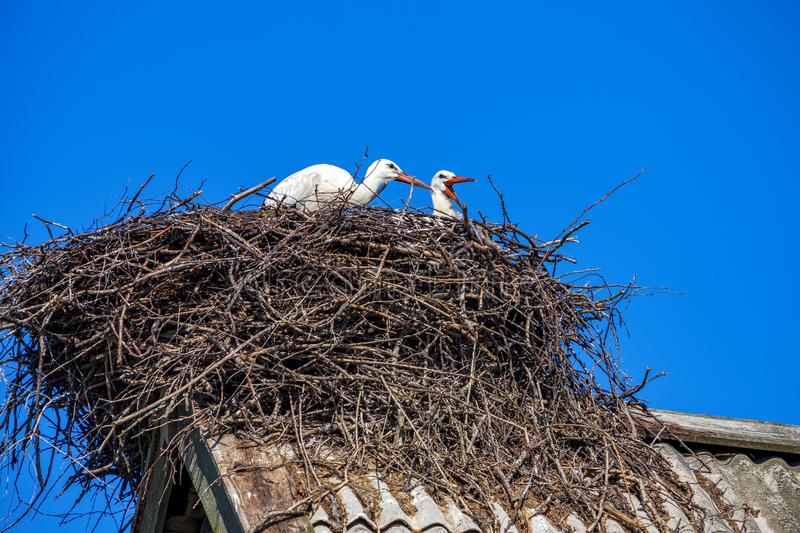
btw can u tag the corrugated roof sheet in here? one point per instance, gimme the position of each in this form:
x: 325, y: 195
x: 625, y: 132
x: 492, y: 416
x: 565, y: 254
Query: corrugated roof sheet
x: 770, y: 487
x: 747, y: 487
x: 764, y: 496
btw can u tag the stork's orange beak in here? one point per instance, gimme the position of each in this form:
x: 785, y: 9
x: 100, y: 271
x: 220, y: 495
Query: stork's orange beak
x: 411, y: 180
x: 458, y: 179
x: 448, y: 187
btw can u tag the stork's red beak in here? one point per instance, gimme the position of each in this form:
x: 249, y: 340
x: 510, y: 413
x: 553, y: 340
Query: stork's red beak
x: 448, y: 187
x: 411, y: 180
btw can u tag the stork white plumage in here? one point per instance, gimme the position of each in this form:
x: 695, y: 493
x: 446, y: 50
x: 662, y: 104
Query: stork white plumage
x: 311, y: 188
x: 443, y: 196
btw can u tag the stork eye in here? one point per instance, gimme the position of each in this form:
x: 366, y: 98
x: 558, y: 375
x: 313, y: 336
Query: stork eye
x: 392, y: 166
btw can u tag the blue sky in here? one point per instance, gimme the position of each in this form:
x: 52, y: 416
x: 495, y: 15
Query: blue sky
x: 557, y: 101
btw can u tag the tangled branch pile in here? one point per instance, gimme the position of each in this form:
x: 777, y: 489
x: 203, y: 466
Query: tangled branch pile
x: 446, y: 350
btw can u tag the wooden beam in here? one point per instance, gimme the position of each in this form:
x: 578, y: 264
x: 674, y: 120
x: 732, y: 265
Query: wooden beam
x: 719, y: 431
x: 243, y: 486
x: 205, y: 476
x: 153, y: 511
x: 258, y: 479
x: 210, y: 485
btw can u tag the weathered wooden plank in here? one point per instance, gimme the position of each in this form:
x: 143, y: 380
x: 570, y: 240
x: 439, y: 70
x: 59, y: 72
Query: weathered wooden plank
x: 221, y: 513
x: 154, y: 504
x: 733, y: 432
x: 152, y: 511
x: 263, y: 489
x: 211, y: 485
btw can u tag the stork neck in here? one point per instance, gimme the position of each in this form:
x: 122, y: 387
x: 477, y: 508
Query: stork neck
x: 442, y: 206
x: 368, y: 189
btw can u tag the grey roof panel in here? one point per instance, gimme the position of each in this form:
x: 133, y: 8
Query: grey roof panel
x: 677, y: 522
x: 429, y: 515
x: 613, y: 527
x: 320, y: 517
x: 537, y: 523
x: 641, y: 513
x: 713, y: 521
x: 575, y: 524
x: 763, y: 496
x: 772, y: 488
x: 392, y: 515
x: 357, y: 519
x: 708, y: 468
x: 506, y: 525
x: 460, y: 521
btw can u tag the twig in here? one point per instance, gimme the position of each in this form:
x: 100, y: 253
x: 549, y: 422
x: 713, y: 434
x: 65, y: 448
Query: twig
x: 244, y: 194
x: 133, y: 200
x: 364, y: 157
x: 568, y: 227
x: 49, y: 223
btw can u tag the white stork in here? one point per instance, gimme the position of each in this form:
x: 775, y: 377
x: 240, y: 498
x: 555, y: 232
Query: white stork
x: 442, y: 193
x: 309, y: 189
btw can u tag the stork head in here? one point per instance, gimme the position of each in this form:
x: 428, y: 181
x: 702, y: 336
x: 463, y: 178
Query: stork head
x: 385, y: 170
x: 443, y: 182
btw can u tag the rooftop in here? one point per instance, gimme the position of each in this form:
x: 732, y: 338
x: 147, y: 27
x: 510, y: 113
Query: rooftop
x: 744, y: 474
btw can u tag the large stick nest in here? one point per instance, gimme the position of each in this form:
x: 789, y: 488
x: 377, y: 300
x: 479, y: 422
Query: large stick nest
x: 446, y: 351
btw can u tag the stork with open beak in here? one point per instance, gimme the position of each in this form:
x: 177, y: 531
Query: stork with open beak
x: 311, y: 188
x: 443, y: 195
